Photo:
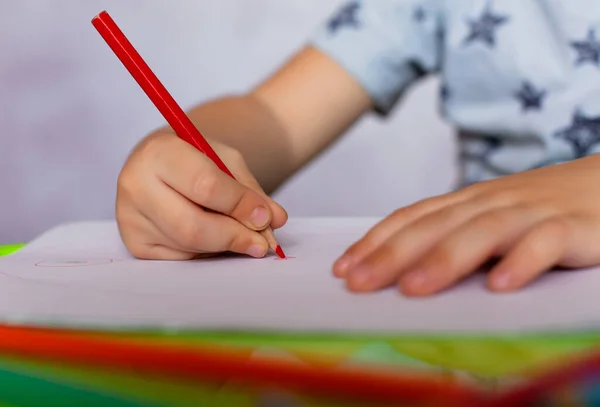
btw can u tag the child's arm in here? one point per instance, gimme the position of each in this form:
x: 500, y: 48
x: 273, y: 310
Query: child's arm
x: 289, y: 118
x: 174, y: 203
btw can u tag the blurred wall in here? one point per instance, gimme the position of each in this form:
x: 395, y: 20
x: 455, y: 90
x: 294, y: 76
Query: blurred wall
x: 70, y: 113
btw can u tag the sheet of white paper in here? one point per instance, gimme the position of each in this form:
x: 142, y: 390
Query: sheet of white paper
x: 81, y: 275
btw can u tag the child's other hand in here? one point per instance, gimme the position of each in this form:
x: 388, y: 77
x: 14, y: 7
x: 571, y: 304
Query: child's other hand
x: 533, y: 220
x: 173, y: 202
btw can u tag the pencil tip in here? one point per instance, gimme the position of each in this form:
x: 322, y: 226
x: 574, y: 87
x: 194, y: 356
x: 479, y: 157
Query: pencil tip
x: 280, y: 252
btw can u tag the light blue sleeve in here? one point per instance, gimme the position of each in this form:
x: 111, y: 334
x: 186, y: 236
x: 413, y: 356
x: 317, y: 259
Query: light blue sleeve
x: 384, y: 44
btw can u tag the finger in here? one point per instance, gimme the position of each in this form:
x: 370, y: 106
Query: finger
x: 467, y: 249
x: 195, y: 230
x: 143, y: 239
x: 160, y: 252
x: 535, y: 253
x: 279, y: 215
x: 384, y: 265
x: 387, y: 227
x: 195, y: 176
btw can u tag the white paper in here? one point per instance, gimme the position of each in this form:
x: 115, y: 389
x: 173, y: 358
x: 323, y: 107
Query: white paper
x: 81, y: 275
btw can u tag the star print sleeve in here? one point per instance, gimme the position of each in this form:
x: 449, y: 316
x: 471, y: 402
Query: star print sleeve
x: 386, y: 45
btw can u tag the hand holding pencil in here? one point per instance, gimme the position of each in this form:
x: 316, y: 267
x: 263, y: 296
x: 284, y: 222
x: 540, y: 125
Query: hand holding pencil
x: 176, y: 197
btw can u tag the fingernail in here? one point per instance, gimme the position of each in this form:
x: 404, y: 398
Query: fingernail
x: 259, y: 217
x: 361, y: 277
x: 342, y: 265
x: 256, y: 250
x: 501, y: 281
x: 414, y: 280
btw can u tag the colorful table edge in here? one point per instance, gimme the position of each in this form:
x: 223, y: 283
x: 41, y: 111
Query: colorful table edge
x: 7, y: 249
x: 479, y: 354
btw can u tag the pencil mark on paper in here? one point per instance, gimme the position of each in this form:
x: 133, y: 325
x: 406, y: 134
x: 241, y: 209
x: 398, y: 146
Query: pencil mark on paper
x: 73, y: 263
x: 285, y: 258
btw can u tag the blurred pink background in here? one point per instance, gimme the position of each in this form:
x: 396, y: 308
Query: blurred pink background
x: 70, y: 113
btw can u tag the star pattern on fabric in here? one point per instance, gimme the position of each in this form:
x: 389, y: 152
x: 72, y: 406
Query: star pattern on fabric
x: 445, y: 92
x: 484, y: 28
x: 530, y: 97
x: 345, y: 17
x: 419, y: 15
x: 588, y: 50
x: 583, y: 133
x: 492, y: 144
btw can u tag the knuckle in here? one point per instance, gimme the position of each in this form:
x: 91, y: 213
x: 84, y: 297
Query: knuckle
x: 205, y: 185
x: 153, y: 145
x: 559, y: 225
x: 426, y: 203
x: 444, y: 258
x: 545, y: 207
x: 475, y: 189
x: 502, y: 197
x: 235, y: 155
x: 536, y: 250
x: 550, y: 233
x: 230, y: 154
x: 494, y: 220
x: 461, y: 211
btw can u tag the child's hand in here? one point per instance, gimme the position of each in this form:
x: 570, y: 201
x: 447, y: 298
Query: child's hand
x: 534, y: 220
x: 173, y: 203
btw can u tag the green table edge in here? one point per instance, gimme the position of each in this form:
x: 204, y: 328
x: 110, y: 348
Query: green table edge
x: 7, y: 249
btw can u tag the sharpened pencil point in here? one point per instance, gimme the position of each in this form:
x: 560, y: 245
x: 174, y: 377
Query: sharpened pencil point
x: 280, y: 252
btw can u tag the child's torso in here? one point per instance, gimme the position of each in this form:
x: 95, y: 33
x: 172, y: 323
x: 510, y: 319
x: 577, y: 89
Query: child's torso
x: 521, y: 81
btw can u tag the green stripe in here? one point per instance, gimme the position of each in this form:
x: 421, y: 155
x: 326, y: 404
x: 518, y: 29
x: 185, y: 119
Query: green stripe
x: 22, y: 390
x: 124, y: 383
x: 10, y: 248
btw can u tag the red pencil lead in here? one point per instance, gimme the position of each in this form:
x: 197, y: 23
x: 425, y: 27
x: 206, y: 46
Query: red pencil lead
x: 280, y: 252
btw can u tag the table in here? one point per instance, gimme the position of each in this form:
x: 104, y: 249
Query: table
x: 490, y: 362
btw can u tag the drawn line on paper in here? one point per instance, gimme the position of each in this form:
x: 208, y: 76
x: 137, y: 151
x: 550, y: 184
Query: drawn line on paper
x: 87, y: 287
x: 285, y: 258
x: 73, y: 263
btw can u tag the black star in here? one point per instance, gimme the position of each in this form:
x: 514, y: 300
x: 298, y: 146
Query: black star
x: 420, y: 14
x: 491, y: 145
x: 530, y: 97
x: 583, y: 133
x: 445, y: 92
x: 346, y: 16
x: 588, y: 50
x: 484, y: 28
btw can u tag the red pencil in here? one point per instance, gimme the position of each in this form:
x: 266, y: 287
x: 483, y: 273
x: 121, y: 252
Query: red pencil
x: 162, y: 99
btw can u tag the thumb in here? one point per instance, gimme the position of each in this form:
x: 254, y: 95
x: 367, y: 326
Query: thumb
x: 279, y: 215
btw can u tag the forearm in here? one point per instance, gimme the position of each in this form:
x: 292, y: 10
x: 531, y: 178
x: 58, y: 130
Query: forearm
x: 242, y: 122
x: 288, y: 119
